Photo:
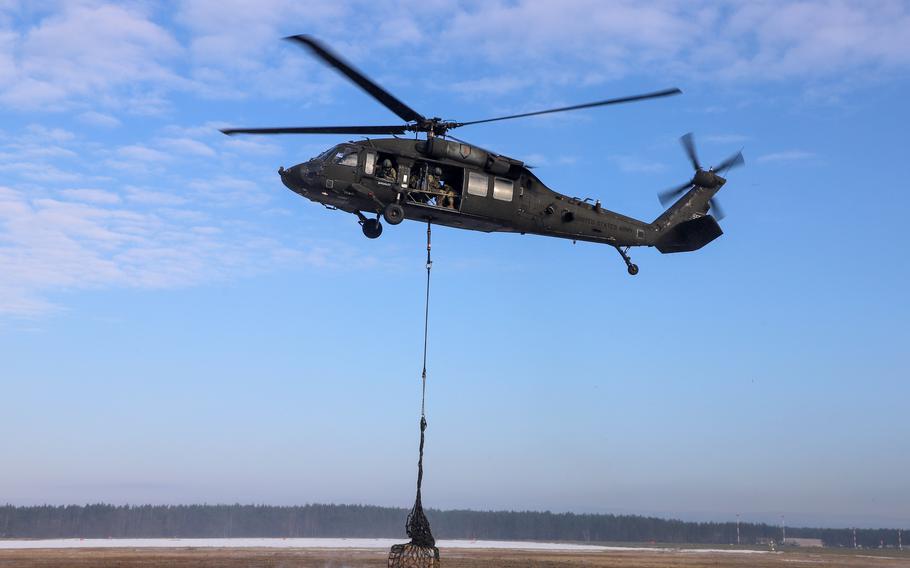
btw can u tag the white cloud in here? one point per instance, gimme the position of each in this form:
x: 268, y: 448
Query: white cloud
x: 787, y: 156
x: 86, y: 50
x: 236, y: 46
x: 207, y: 230
x: 248, y: 146
x: 48, y: 245
x: 589, y: 29
x: 399, y: 29
x: 821, y: 37
x: 23, y: 302
x: 541, y: 160
x: 7, y: 59
x: 215, y: 24
x: 120, y: 55
x: 197, y: 131
x: 632, y: 164
x: 536, y: 160
x: 152, y: 197
x: 225, y: 191
x: 186, y: 146
x: 725, y: 138
x: 42, y: 172
x: 95, y: 118
x: 92, y: 196
x: 142, y: 153
x: 498, y: 85
x: 64, y: 228
x: 731, y: 41
x: 40, y: 134
x: 30, y: 151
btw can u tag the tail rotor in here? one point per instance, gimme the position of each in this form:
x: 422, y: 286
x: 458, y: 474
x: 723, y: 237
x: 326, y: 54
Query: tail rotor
x: 709, y: 178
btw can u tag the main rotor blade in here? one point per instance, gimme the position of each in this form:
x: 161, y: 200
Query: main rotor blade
x: 732, y: 162
x: 672, y: 193
x: 319, y: 130
x: 377, y: 92
x: 688, y: 142
x: 654, y: 95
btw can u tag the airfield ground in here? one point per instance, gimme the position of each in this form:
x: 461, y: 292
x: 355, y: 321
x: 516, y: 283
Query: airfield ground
x: 288, y: 558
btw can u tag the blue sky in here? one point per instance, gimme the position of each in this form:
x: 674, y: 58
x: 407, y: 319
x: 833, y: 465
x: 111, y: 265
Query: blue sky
x: 176, y: 326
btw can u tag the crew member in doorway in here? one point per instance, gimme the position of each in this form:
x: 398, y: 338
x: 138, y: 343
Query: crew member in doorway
x: 434, y: 183
x: 448, y: 200
x: 386, y: 171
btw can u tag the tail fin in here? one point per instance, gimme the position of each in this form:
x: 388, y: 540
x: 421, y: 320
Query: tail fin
x: 686, y: 225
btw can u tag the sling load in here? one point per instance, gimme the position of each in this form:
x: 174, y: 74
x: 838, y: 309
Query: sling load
x: 421, y: 552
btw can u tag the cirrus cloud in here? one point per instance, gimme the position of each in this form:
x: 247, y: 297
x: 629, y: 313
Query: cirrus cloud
x: 85, y: 50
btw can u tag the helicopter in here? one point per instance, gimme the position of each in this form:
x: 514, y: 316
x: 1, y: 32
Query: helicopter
x: 446, y: 181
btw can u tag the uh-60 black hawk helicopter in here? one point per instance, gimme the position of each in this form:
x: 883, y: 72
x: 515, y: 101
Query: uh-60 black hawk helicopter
x: 447, y: 181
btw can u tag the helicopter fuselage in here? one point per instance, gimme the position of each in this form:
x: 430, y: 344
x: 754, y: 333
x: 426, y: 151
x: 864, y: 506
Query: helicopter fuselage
x: 457, y: 185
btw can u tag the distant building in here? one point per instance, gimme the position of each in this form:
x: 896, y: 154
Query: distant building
x: 804, y: 542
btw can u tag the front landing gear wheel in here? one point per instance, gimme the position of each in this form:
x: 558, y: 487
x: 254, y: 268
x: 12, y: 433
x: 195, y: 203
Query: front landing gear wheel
x: 633, y: 269
x: 372, y: 228
x: 393, y: 213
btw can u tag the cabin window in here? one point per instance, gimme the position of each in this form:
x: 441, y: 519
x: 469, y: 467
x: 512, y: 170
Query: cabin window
x: 502, y: 189
x: 478, y: 184
x: 346, y: 157
x: 369, y: 163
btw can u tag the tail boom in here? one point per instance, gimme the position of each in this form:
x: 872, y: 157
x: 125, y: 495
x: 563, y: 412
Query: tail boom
x: 686, y: 225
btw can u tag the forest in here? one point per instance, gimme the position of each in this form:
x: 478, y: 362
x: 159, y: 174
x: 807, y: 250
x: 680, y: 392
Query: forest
x: 365, y: 521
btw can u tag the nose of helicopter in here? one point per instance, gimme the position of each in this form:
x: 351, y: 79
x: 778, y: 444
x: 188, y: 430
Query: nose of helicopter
x: 297, y: 178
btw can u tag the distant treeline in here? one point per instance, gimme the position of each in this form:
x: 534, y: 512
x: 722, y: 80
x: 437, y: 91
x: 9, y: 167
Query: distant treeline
x: 359, y: 521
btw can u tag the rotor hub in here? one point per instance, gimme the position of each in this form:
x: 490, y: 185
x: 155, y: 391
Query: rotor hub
x: 706, y: 179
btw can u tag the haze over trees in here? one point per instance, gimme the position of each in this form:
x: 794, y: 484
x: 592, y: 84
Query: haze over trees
x: 362, y: 521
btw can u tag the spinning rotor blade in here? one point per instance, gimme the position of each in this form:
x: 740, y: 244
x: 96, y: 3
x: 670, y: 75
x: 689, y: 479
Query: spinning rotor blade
x: 319, y: 130
x: 710, y: 179
x: 688, y: 142
x: 669, y: 195
x: 657, y: 94
x: 716, y: 209
x: 731, y: 162
x: 377, y: 92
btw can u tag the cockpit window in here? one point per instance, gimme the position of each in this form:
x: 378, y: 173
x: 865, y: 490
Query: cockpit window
x: 346, y: 157
x: 324, y: 155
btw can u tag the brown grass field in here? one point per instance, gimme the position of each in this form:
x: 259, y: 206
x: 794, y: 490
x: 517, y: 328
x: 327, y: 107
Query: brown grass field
x: 456, y: 558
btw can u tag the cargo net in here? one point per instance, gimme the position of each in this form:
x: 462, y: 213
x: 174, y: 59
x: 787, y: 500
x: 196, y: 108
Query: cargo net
x: 421, y: 552
x: 413, y: 556
x: 418, y: 526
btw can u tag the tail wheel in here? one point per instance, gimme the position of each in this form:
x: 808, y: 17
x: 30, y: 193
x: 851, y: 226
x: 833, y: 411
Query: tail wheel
x: 372, y: 228
x: 393, y: 213
x: 624, y: 253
